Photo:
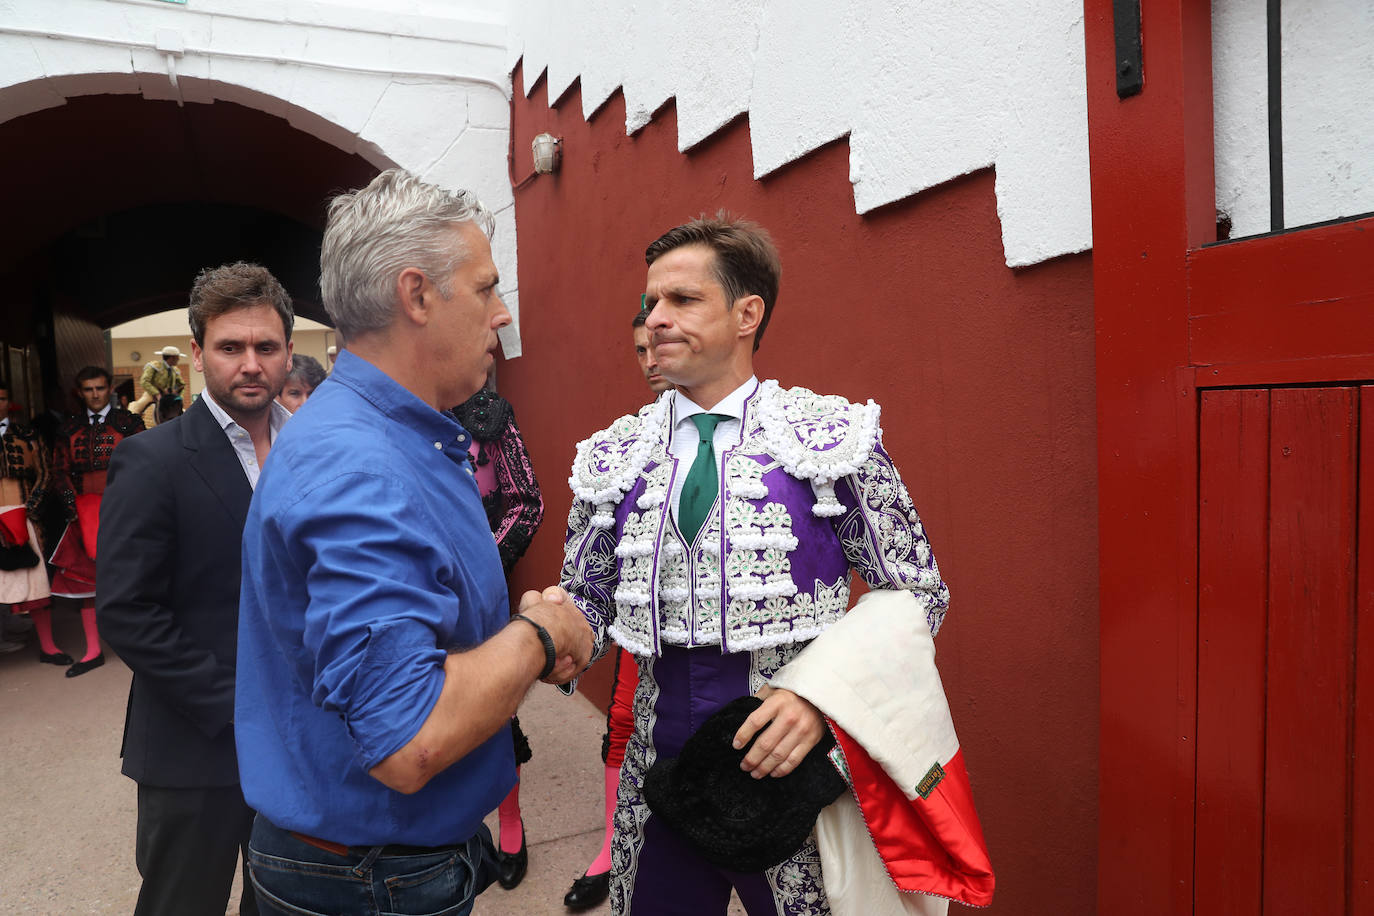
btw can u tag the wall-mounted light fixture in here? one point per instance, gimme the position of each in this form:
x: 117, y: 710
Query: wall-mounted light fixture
x: 548, y: 152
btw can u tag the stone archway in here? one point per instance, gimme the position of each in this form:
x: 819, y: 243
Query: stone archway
x: 127, y: 169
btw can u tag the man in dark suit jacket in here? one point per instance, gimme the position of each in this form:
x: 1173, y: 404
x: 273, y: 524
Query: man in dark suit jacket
x: 168, y: 566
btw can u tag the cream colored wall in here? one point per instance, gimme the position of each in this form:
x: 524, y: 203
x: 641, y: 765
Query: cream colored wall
x: 145, y: 336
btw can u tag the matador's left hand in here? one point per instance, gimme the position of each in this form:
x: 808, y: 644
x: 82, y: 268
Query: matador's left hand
x: 790, y: 727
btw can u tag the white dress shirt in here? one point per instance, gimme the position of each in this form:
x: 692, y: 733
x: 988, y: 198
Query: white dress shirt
x: 103, y: 413
x: 728, y: 433
x: 242, y: 442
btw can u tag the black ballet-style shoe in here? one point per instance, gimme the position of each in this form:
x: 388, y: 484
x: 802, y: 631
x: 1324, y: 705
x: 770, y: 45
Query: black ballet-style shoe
x: 511, y: 866
x: 81, y: 668
x: 54, y: 658
x: 588, y: 891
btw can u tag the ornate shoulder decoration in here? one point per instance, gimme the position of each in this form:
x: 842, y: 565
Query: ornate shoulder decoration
x: 123, y: 422
x: 21, y: 430
x: 817, y: 437
x: 608, y: 464
x: 486, y: 415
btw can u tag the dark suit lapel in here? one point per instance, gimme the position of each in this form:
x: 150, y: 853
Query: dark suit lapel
x: 210, y: 455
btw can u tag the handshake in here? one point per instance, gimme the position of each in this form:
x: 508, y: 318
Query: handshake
x: 556, y: 618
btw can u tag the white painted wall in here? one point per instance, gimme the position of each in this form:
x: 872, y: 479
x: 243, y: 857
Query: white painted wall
x: 925, y: 90
x: 422, y: 85
x: 1328, y: 121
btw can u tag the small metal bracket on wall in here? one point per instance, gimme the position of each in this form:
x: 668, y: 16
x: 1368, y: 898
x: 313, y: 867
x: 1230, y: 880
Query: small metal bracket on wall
x: 1130, y: 77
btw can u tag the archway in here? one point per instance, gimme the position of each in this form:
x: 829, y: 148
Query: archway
x: 116, y: 202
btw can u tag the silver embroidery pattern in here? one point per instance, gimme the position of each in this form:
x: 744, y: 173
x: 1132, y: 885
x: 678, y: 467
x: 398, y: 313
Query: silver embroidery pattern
x: 884, y: 540
x: 823, y: 440
x: 589, y: 572
x: 631, y: 811
x: 797, y: 883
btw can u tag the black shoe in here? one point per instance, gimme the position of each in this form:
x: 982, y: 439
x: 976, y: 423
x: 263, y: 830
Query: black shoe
x: 511, y: 866
x: 81, y: 668
x: 55, y: 658
x: 588, y: 891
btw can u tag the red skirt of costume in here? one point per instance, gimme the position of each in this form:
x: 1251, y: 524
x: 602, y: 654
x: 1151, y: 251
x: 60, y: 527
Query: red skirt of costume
x: 22, y: 588
x: 74, y: 559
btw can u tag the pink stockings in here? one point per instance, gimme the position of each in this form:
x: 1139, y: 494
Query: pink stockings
x: 42, y: 624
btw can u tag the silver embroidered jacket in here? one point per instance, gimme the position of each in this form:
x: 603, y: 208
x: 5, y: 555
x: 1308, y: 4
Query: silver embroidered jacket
x: 807, y: 495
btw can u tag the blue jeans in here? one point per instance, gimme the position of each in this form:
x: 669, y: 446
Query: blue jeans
x: 295, y: 878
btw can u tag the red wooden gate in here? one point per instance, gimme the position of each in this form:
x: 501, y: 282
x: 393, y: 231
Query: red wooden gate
x: 1236, y: 444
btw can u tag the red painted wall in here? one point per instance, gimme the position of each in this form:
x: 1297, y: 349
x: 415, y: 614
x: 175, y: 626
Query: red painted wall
x: 985, y: 375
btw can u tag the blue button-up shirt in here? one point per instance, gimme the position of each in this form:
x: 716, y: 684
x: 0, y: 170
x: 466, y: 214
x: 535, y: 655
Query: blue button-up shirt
x: 366, y: 559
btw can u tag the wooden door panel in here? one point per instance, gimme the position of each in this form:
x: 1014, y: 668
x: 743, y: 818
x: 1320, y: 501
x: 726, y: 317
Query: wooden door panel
x: 1284, y: 813
x: 1362, y: 759
x: 1311, y: 601
x: 1233, y: 596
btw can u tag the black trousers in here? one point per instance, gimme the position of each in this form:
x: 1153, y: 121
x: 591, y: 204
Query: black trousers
x: 188, y: 843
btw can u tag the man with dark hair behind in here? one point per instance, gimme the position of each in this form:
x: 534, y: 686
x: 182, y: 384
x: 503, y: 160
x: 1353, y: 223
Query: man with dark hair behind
x: 644, y: 353
x: 712, y: 536
x: 81, y: 457
x: 169, y: 572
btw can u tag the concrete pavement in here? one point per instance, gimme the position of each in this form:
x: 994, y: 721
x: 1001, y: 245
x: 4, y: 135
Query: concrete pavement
x: 67, y: 846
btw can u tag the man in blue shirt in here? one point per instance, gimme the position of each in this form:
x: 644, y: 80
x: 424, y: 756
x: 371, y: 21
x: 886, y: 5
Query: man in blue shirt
x: 379, y: 665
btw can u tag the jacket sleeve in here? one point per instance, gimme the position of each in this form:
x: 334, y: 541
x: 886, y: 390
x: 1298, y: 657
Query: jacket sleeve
x: 35, y: 471
x: 883, y: 538
x: 590, y: 572
x: 60, y: 481
x: 522, y: 502
x: 134, y: 602
x: 148, y: 380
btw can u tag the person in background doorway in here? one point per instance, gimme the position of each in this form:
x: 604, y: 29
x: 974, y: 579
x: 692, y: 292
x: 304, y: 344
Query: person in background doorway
x: 23, y: 576
x: 81, y: 458
x: 160, y: 378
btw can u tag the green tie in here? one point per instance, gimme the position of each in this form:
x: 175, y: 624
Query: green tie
x: 699, y: 489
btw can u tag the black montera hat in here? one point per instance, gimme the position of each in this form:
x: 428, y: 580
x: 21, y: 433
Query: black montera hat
x: 731, y: 819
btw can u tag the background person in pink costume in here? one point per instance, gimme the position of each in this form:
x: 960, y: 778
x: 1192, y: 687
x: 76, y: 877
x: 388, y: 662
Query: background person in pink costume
x: 510, y: 495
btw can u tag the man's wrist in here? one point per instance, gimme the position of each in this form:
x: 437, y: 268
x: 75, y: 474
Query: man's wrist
x: 550, y: 651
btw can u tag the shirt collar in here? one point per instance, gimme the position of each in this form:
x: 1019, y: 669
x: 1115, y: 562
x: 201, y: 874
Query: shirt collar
x: 278, y: 416
x: 732, y: 405
x: 102, y: 414
x: 393, y: 399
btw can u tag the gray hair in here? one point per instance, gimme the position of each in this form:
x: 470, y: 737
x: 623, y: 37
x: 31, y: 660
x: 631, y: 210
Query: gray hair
x: 396, y: 222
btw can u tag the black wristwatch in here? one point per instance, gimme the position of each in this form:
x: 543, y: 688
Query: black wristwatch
x: 550, y: 653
